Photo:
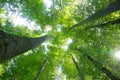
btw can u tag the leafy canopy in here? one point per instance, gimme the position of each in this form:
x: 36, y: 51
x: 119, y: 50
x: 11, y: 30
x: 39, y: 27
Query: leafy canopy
x: 56, y: 20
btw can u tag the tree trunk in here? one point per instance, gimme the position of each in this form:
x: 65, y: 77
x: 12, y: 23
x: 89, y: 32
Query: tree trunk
x: 12, y: 45
x: 53, y: 9
x: 41, y: 69
x: 102, y: 68
x: 105, y: 24
x: 61, y: 5
x: 79, y: 72
x: 115, y: 6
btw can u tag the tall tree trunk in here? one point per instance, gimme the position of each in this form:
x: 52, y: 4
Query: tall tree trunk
x: 115, y: 6
x: 117, y: 21
x: 12, y: 45
x: 60, y: 1
x: 53, y: 8
x: 102, y: 68
x: 79, y: 72
x: 41, y: 69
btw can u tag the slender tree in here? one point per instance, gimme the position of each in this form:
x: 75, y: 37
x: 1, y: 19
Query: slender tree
x: 102, y: 68
x: 115, y: 6
x: 12, y: 45
x: 117, y: 21
x: 53, y: 1
x: 78, y: 69
x: 61, y: 5
x: 41, y: 69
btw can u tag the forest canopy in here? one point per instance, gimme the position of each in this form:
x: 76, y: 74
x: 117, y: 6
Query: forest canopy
x: 59, y: 39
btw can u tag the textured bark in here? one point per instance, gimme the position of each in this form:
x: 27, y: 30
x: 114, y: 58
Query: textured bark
x: 115, y: 6
x: 105, y: 24
x: 102, y: 68
x: 41, y: 69
x: 79, y: 72
x: 12, y: 45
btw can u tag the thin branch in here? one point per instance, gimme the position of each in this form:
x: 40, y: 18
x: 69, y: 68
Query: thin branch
x: 79, y: 71
x: 41, y: 69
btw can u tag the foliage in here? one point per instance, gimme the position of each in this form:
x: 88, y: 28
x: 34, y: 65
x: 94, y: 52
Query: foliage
x: 99, y: 42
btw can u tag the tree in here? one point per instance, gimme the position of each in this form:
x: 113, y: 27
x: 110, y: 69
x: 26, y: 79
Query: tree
x: 77, y: 67
x: 98, y: 36
x: 105, y: 24
x: 102, y: 68
x: 99, y: 66
x: 41, y: 69
x: 12, y: 45
x: 103, y: 12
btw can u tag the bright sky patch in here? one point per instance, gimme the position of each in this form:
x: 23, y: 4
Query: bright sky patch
x: 18, y: 20
x: 69, y: 41
x: 48, y: 3
x: 117, y: 54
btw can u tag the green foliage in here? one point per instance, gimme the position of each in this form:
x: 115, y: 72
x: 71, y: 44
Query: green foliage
x: 99, y: 42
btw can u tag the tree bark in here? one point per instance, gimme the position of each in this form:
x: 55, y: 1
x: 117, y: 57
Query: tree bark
x: 12, y: 45
x: 117, y: 21
x: 102, y: 68
x: 79, y: 72
x: 41, y: 69
x: 115, y: 6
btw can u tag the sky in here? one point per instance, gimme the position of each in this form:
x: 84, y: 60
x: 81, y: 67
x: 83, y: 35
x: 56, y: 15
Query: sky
x: 18, y: 20
x: 117, y: 54
x: 67, y: 43
x: 48, y: 3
